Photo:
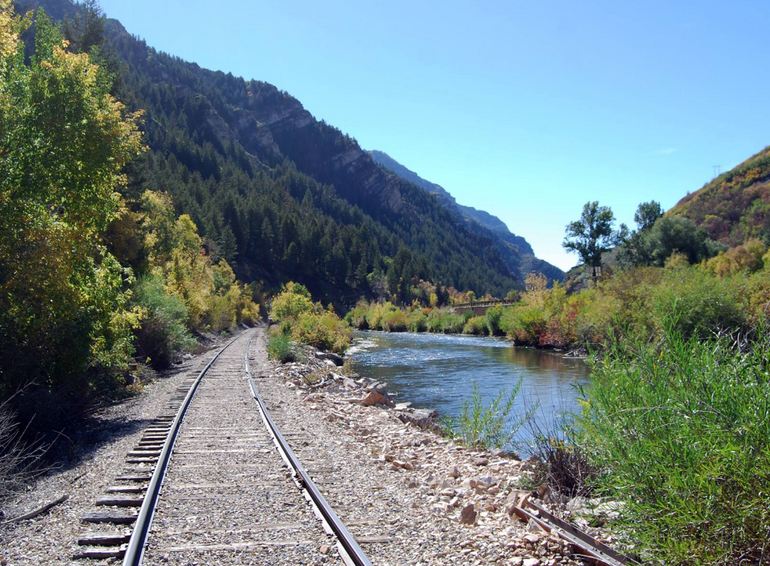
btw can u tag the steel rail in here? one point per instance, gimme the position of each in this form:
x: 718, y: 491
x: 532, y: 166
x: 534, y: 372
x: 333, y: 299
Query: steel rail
x: 135, y: 549
x: 349, y: 544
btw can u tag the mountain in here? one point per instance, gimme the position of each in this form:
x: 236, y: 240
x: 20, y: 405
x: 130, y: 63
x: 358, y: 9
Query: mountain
x: 515, y: 249
x: 281, y: 194
x: 736, y: 205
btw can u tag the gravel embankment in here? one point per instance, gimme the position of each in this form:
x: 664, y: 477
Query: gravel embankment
x: 409, y: 495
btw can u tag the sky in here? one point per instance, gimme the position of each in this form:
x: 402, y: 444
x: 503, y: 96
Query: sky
x: 524, y: 109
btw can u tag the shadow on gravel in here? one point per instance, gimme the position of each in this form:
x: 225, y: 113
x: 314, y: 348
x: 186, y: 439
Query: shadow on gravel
x: 110, y: 423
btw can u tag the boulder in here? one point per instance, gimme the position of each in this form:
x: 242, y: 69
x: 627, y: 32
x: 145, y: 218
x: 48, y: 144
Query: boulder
x: 425, y: 419
x: 331, y: 356
x: 374, y: 397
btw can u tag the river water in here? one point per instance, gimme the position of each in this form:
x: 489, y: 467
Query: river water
x: 438, y: 371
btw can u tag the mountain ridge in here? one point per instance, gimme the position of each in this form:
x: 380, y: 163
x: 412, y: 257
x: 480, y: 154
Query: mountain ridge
x: 735, y: 206
x: 282, y: 195
x: 513, y: 245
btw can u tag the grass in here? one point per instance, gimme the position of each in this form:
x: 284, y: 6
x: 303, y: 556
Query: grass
x: 280, y: 348
x: 680, y: 432
x: 491, y: 425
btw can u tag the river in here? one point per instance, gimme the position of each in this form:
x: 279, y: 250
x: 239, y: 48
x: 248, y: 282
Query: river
x: 437, y: 371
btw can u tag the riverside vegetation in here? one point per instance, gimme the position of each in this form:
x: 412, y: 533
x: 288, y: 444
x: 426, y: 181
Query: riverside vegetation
x: 675, y: 420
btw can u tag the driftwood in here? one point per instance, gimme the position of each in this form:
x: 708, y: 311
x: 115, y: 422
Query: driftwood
x: 39, y: 511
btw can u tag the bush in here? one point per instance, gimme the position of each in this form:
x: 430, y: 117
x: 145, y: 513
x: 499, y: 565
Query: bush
x: 417, y: 321
x: 493, y: 317
x: 394, y: 321
x: 695, y: 303
x: 325, y: 331
x: 489, y: 426
x: 681, y: 434
x: 293, y: 301
x: 445, y: 321
x: 356, y: 317
x: 163, y: 332
x: 476, y: 325
x: 524, y: 324
x: 279, y: 347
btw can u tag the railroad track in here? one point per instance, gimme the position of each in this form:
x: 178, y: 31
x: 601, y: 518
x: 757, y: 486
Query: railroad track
x: 213, y: 480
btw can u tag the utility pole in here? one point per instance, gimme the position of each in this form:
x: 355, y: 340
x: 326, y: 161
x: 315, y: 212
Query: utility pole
x: 717, y: 170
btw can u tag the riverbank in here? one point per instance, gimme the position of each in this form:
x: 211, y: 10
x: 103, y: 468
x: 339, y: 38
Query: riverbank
x: 438, y: 501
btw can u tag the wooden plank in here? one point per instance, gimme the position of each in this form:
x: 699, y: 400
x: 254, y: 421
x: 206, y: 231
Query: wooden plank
x: 549, y: 522
x: 374, y: 539
x: 100, y: 553
x: 120, y: 501
x: 103, y: 539
x: 117, y: 517
x: 235, y: 546
x: 140, y: 488
x: 134, y: 477
x: 154, y: 453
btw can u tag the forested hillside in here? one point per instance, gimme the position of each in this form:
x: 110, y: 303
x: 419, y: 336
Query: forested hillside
x: 735, y: 206
x: 515, y: 250
x: 282, y: 195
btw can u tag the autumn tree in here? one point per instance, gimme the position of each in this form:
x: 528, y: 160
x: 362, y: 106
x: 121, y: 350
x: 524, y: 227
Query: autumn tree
x: 64, y: 141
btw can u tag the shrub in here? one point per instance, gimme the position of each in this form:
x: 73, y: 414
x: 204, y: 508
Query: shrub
x: 356, y: 317
x: 163, y: 331
x: 492, y: 425
x: 279, y: 347
x: 524, y: 323
x: 417, y: 321
x: 325, y: 331
x: 681, y: 434
x: 695, y: 303
x: 293, y: 301
x: 476, y: 325
x: 493, y: 317
x: 445, y: 321
x: 394, y: 321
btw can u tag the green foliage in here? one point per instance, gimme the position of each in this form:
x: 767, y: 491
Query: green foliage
x: 280, y: 348
x: 324, y: 330
x: 417, y: 320
x: 64, y: 141
x: 309, y: 323
x: 174, y: 252
x: 694, y: 303
x: 293, y: 301
x: 476, y: 325
x: 163, y: 332
x: 592, y: 235
x: 748, y: 257
x: 395, y: 321
x: 681, y: 433
x: 492, y: 318
x: 647, y: 213
x: 491, y: 425
x: 445, y: 321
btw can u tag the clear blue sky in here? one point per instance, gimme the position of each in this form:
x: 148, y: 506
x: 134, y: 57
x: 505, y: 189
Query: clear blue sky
x: 524, y: 109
